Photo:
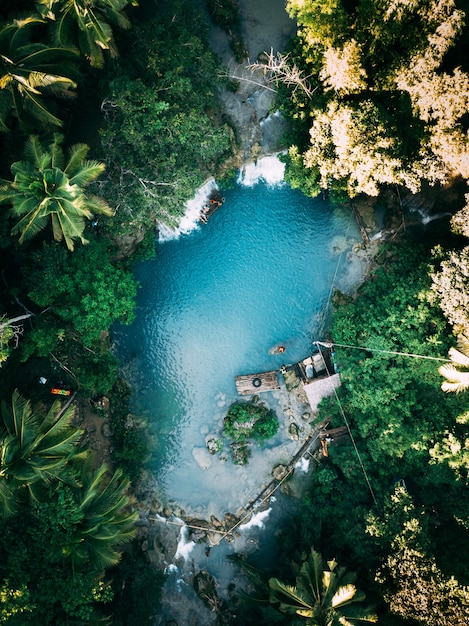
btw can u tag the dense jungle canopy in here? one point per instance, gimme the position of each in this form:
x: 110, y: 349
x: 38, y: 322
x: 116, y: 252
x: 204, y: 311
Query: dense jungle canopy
x: 110, y: 119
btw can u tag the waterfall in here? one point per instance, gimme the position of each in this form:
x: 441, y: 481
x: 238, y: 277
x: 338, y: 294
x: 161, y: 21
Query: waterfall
x: 268, y: 169
x: 190, y: 219
x: 184, y: 547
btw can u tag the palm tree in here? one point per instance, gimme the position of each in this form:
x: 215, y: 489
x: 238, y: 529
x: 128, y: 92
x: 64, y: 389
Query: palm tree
x: 322, y: 597
x: 34, y: 448
x: 46, y: 188
x: 104, y: 521
x: 87, y: 23
x: 457, y: 372
x: 28, y: 71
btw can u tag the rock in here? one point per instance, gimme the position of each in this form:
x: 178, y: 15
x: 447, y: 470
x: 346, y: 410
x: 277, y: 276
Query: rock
x: 230, y: 520
x: 215, y: 522
x: 294, y: 431
x: 202, y: 457
x: 306, y: 416
x: 198, y: 528
x: 204, y: 586
x: 106, y: 430
x: 279, y: 472
x: 213, y: 444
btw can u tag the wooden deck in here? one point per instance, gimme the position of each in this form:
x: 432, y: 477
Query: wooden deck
x: 320, y: 388
x: 256, y: 383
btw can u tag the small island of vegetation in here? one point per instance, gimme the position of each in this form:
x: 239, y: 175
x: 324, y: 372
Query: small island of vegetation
x: 247, y: 421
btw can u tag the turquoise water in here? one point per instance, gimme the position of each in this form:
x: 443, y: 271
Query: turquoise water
x: 212, y: 305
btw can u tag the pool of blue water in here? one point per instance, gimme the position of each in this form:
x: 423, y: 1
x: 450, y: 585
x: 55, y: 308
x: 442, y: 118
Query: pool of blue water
x: 213, y: 304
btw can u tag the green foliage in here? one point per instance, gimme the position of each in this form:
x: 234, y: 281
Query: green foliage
x: 87, y: 24
x: 162, y: 137
x: 39, y: 576
x: 414, y: 585
x: 225, y: 13
x: 249, y: 420
x: 72, y: 528
x: 84, y: 289
x: 35, y: 448
x: 388, y: 395
x: 101, y: 520
x: 29, y: 71
x: 48, y: 188
x: 323, y: 597
x: 385, y: 103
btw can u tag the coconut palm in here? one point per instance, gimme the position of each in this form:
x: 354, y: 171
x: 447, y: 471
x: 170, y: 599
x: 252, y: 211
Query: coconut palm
x: 457, y: 372
x: 28, y: 71
x: 322, y: 597
x: 46, y: 188
x: 35, y: 448
x: 104, y: 520
x: 88, y: 23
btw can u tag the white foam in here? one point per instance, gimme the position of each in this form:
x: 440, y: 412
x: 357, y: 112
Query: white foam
x: 170, y: 569
x: 257, y: 520
x: 190, y: 220
x: 276, y: 115
x: 302, y: 465
x: 269, y: 169
x: 184, y: 547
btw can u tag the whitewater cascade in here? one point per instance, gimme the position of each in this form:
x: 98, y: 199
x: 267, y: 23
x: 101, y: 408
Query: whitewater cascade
x: 268, y: 169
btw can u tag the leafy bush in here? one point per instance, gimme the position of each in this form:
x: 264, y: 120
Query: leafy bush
x: 250, y: 420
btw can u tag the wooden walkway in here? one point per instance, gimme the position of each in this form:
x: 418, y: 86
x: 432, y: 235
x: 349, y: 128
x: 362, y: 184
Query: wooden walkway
x: 256, y: 383
x: 268, y: 490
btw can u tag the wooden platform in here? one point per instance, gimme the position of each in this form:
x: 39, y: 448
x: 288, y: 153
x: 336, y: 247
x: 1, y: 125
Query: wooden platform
x: 256, y: 383
x: 320, y: 388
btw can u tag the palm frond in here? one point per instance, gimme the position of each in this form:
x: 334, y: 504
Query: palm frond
x: 346, y: 594
x: 456, y: 380
x: 463, y: 344
x: 76, y: 155
x: 280, y: 592
x: 88, y: 172
x: 99, y: 206
x: 458, y: 357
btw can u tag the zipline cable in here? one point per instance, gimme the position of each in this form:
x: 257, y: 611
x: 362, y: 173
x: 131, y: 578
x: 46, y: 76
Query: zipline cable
x: 349, y: 431
x: 329, y: 344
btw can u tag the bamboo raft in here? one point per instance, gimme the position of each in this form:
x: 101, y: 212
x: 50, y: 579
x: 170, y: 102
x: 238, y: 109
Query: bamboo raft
x: 256, y: 383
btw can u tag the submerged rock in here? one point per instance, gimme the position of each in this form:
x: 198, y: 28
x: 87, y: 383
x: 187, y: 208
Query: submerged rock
x: 204, y: 586
x: 202, y: 457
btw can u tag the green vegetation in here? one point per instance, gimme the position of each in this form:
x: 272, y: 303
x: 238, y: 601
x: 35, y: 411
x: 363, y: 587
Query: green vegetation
x: 45, y: 186
x: 377, y: 94
x: 72, y: 228
x: 164, y: 134
x: 323, y: 597
x: 247, y: 421
x: 250, y: 421
x: 383, y: 96
x: 63, y: 522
